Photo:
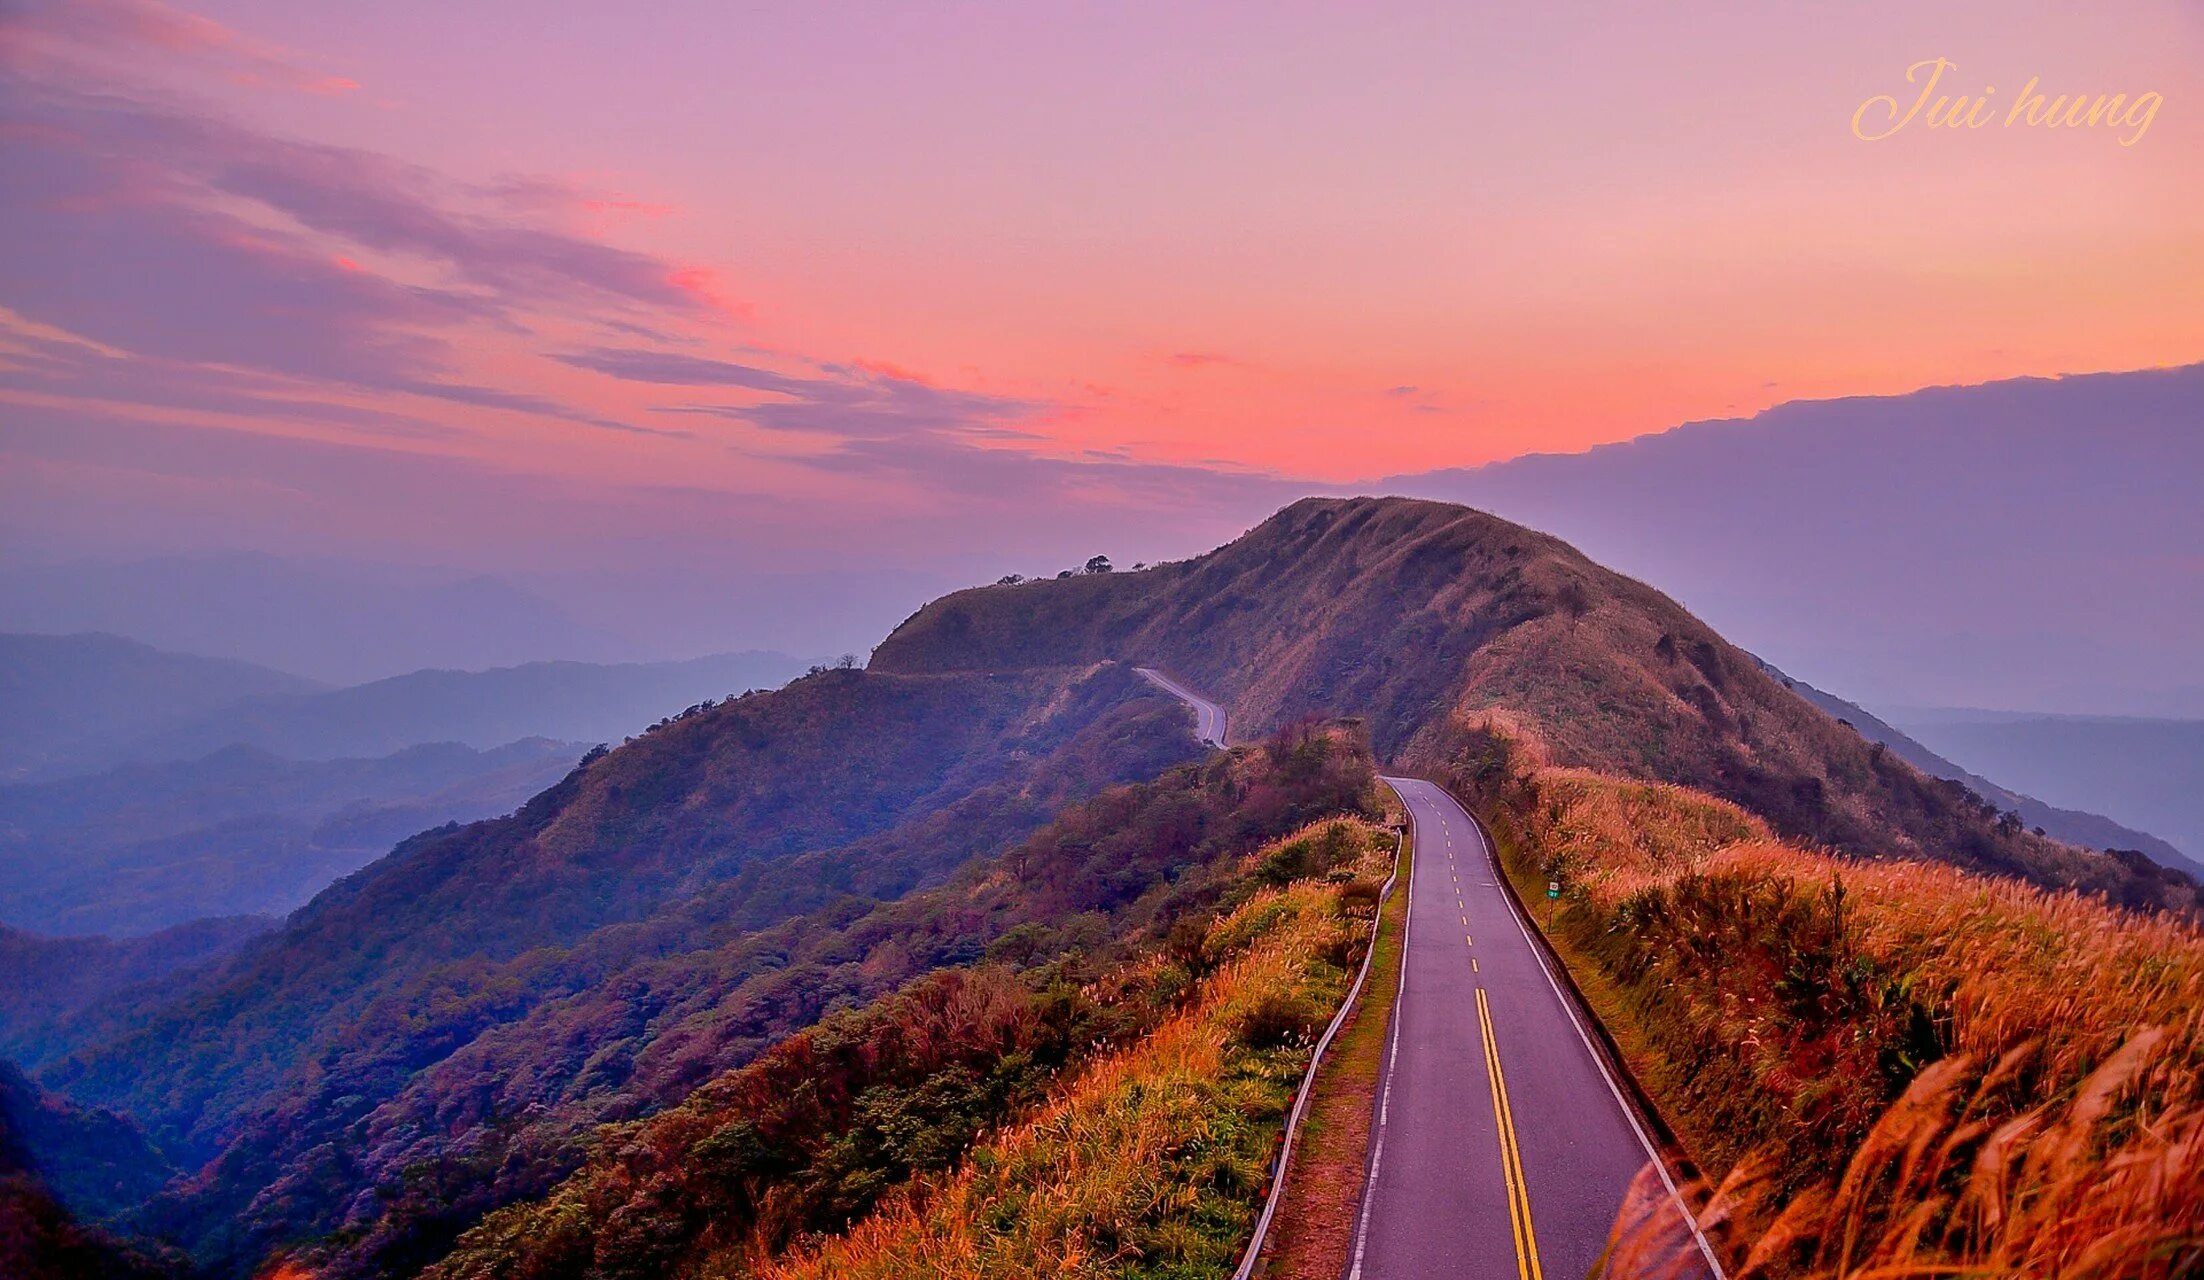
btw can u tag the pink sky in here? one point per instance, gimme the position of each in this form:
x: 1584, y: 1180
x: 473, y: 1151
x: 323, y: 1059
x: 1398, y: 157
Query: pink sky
x: 829, y: 265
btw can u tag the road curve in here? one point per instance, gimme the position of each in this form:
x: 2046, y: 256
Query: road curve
x: 1208, y: 716
x: 1502, y: 1145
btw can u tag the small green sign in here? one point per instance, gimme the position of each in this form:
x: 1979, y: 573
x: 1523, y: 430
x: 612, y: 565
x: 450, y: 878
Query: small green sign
x: 1553, y: 888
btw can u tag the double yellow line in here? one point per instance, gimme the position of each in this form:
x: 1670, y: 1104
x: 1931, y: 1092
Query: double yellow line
x: 1511, y: 1157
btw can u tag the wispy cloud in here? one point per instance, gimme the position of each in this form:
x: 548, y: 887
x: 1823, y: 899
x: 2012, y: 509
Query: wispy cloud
x: 63, y: 31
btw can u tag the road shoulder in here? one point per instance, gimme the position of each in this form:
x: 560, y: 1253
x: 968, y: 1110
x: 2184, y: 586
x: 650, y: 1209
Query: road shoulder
x: 1325, y: 1182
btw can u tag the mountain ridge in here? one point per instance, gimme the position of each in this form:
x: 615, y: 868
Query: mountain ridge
x: 1439, y: 623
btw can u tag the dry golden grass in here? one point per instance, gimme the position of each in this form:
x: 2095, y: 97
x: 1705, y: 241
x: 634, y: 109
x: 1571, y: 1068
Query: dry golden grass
x: 1154, y: 1159
x: 1948, y: 1075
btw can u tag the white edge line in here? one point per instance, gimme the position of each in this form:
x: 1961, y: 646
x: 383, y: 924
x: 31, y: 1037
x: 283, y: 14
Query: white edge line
x: 1599, y: 1059
x: 1392, y: 1055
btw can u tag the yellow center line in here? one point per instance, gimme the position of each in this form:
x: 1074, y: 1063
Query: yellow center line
x: 1511, y: 1156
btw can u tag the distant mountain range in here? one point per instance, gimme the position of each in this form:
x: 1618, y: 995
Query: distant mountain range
x: 2147, y: 772
x: 140, y: 789
x: 2027, y: 543
x: 2065, y: 771
x: 337, y: 621
x: 65, y: 695
x: 238, y: 831
x: 84, y: 703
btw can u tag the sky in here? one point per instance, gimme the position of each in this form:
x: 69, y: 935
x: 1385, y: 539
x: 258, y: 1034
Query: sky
x: 734, y: 289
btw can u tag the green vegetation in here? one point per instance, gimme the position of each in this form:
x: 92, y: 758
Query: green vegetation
x: 1095, y: 934
x: 1152, y: 1160
x: 812, y: 978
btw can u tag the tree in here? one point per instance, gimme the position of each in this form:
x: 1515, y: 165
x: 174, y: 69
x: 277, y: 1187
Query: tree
x: 1010, y: 580
x: 1098, y: 564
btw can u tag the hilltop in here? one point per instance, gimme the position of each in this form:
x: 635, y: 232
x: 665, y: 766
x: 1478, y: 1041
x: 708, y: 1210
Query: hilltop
x: 1441, y: 625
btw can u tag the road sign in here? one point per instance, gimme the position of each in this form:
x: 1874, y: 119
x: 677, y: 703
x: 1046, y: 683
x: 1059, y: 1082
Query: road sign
x: 1553, y: 888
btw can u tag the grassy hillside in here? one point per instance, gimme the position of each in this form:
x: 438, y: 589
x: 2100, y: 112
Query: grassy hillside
x: 1154, y: 962
x: 1432, y: 619
x: 1888, y: 1068
x: 439, y: 1028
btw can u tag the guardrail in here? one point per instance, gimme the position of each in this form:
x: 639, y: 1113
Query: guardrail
x: 1284, y: 1160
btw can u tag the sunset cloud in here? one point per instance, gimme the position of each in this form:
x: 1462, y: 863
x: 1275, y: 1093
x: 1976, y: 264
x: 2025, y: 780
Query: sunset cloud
x: 48, y: 30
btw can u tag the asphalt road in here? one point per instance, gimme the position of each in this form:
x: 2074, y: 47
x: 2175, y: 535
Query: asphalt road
x: 1502, y: 1147
x: 1208, y: 716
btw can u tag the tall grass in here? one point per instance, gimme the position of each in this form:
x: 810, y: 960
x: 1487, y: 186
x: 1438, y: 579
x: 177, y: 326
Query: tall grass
x: 1153, y: 1160
x: 1886, y: 1069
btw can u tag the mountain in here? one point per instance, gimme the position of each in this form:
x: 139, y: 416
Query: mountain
x: 1439, y: 623
x: 337, y: 621
x: 2090, y: 830
x: 53, y: 979
x: 2021, y: 543
x: 153, y: 787
x: 94, y: 1161
x: 60, y: 694
x: 2145, y: 771
x: 58, y: 1164
x: 91, y: 702
x: 237, y: 832
x: 570, y: 701
x: 666, y: 911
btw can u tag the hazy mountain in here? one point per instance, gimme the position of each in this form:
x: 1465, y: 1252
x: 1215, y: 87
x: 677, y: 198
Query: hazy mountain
x: 2023, y: 543
x: 59, y: 695
x: 97, y: 701
x: 237, y: 832
x: 574, y: 701
x: 2090, y: 830
x: 50, y: 978
x: 337, y: 621
x: 2148, y: 772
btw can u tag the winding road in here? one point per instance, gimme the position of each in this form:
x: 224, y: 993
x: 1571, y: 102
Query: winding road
x: 1503, y: 1144
x: 1208, y: 716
